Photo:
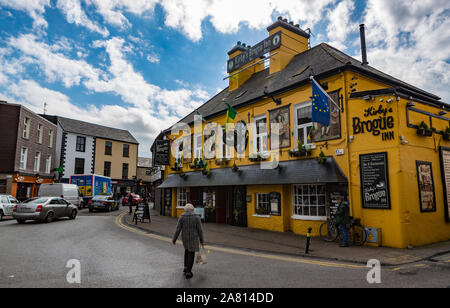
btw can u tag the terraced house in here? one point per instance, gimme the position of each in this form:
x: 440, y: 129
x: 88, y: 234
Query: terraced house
x: 386, y: 146
x: 86, y: 148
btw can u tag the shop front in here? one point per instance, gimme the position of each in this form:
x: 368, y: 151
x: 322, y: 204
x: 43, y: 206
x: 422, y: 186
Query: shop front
x: 25, y: 187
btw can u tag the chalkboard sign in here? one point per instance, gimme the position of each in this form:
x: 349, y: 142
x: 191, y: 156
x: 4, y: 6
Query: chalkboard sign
x: 142, y: 212
x: 162, y: 153
x: 375, y: 181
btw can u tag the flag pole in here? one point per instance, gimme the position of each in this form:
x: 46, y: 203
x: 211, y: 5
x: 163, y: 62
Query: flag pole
x: 237, y: 113
x: 313, y: 80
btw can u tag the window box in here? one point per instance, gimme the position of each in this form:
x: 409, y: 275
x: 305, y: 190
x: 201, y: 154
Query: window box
x: 176, y: 167
x: 424, y: 132
x: 222, y: 161
x: 259, y: 157
x: 301, y: 153
x: 446, y: 136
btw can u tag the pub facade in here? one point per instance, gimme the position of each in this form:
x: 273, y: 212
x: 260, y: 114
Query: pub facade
x: 386, y: 148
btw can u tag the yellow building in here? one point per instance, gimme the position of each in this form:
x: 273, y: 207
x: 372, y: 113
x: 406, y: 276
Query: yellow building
x: 386, y: 147
x: 117, y: 158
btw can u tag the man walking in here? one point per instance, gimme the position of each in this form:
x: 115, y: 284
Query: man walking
x: 343, y: 220
x: 190, y: 225
x: 130, y: 203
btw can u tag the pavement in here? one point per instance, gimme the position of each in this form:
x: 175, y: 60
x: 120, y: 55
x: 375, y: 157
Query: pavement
x: 293, y: 244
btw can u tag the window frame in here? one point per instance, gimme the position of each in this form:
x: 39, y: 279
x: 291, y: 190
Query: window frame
x: 109, y: 153
x: 104, y: 169
x: 297, y: 127
x: 79, y: 160
x: 81, y: 146
x: 128, y: 171
x: 295, y: 204
x: 40, y: 133
x: 48, y: 163
x: 23, y: 158
x: 198, y: 148
x: 37, y: 167
x: 267, y: 204
x: 182, y: 196
x: 26, y: 128
x: 50, y: 138
x: 259, y: 136
x: 126, y: 153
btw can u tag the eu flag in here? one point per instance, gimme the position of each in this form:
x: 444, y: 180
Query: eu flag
x: 320, y: 106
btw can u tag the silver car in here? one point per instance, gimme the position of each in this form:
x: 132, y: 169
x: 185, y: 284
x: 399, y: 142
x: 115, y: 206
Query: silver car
x: 44, y: 209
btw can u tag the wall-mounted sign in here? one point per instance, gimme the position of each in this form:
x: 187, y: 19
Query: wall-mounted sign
x: 379, y: 124
x: 275, y: 203
x: 281, y: 116
x: 375, y: 181
x: 426, y: 186
x: 340, y: 152
x: 255, y: 52
x: 445, y: 167
x: 162, y: 153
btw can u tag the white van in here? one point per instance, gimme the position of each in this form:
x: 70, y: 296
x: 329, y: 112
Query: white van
x: 69, y: 192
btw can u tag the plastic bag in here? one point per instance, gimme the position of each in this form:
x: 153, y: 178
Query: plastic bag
x: 201, y: 257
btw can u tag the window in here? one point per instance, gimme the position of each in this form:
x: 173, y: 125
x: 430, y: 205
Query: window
x: 26, y: 128
x: 198, y: 146
x: 108, y: 148
x: 179, y: 151
x: 260, y: 135
x: 107, y: 171
x: 303, y: 122
x: 225, y: 148
x: 81, y: 144
x: 262, y: 204
x: 126, y: 150
x: 79, y: 165
x: 125, y: 171
x: 23, y: 159
x: 39, y: 133
x: 48, y: 164
x: 182, y: 197
x: 37, y: 161
x: 309, y: 202
x: 50, y: 138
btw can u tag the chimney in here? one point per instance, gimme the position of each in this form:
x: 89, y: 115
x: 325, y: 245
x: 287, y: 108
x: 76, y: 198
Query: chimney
x: 238, y: 79
x: 363, y: 45
x: 293, y: 41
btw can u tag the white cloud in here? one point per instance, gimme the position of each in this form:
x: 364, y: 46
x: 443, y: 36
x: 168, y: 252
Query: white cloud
x: 34, y: 8
x: 340, y: 24
x: 411, y: 41
x: 153, y: 58
x: 75, y: 14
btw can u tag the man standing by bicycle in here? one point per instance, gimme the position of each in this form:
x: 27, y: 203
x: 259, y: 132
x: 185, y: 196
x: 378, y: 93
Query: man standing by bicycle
x: 343, y: 220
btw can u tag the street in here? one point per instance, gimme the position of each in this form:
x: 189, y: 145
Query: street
x: 36, y: 254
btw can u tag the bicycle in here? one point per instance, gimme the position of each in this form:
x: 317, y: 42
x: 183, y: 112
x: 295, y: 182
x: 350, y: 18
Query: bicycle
x: 329, y: 231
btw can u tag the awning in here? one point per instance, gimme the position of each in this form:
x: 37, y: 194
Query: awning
x: 293, y: 172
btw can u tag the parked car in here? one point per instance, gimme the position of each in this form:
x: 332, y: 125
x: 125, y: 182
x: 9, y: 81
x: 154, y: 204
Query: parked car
x: 7, y: 203
x: 136, y: 199
x: 68, y: 192
x: 44, y: 209
x: 103, y: 203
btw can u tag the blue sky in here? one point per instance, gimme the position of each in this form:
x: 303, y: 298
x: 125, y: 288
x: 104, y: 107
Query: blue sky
x: 141, y: 65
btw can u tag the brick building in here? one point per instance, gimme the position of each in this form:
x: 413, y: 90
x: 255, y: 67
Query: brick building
x: 28, y: 146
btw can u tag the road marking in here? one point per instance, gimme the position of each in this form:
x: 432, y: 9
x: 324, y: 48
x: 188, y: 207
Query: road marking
x: 241, y: 252
x: 396, y: 269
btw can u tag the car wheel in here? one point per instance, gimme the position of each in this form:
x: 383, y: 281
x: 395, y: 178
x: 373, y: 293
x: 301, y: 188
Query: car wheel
x: 49, y: 218
x: 1, y: 215
x: 73, y: 215
x: 20, y: 221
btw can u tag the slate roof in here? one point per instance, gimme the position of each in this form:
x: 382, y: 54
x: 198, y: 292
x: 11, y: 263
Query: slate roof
x: 144, y: 162
x: 321, y: 61
x: 89, y: 129
x: 306, y: 171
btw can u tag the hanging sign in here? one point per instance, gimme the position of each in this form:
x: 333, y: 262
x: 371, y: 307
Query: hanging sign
x: 375, y: 181
x: 162, y: 153
x: 255, y: 52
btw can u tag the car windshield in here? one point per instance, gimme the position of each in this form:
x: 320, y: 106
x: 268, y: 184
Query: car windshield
x: 100, y: 198
x: 36, y: 201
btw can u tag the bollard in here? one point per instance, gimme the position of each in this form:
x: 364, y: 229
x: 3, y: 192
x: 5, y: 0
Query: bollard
x: 308, y: 240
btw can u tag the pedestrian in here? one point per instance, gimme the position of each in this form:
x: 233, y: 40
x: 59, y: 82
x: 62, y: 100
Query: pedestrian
x: 343, y: 220
x: 190, y: 226
x: 130, y: 203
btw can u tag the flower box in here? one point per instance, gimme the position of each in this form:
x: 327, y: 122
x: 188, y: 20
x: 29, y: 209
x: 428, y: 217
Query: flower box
x: 424, y: 132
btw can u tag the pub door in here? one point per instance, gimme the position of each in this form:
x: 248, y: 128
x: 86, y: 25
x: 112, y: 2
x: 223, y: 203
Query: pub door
x: 196, y: 196
x: 238, y: 213
x: 24, y: 191
x: 222, y: 201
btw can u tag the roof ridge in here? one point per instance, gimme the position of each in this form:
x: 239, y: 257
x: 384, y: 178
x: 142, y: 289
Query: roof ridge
x: 109, y: 127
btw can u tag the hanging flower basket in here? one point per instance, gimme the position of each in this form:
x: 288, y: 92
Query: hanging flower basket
x: 235, y: 168
x: 322, y: 159
x: 424, y: 130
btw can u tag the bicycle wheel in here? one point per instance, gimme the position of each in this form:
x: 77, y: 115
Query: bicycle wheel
x: 328, y: 232
x: 358, y: 236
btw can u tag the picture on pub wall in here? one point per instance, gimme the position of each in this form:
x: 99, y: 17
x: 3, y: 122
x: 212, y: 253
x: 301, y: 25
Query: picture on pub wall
x: 324, y: 133
x: 426, y: 186
x: 282, y: 117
